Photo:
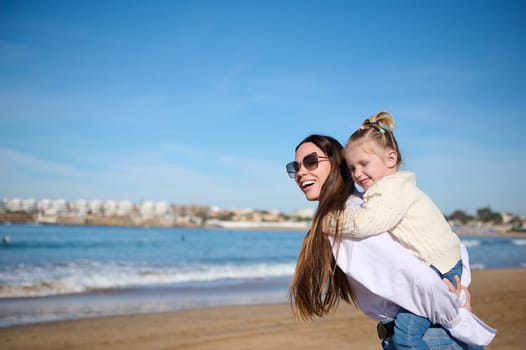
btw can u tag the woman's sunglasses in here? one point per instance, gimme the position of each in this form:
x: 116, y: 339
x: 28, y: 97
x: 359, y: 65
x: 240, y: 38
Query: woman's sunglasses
x: 310, y: 162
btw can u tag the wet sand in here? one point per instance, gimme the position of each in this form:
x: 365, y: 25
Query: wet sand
x: 498, y: 297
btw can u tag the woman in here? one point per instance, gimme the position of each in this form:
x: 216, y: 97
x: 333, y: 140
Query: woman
x: 363, y: 269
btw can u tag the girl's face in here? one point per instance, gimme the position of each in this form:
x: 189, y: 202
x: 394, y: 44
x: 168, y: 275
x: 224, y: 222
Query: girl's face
x: 368, y: 163
x: 311, y: 181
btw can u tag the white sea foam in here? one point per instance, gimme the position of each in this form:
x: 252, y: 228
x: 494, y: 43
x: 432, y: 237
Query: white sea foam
x: 78, y: 277
x: 518, y: 241
x: 470, y: 243
x: 477, y: 266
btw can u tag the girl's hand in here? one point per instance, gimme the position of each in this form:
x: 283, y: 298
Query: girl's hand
x: 458, y: 291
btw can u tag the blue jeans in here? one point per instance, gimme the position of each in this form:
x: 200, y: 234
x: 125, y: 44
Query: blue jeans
x: 450, y: 275
x: 437, y: 338
x: 410, y: 328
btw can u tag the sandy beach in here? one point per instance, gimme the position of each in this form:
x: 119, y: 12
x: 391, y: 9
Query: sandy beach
x: 499, y: 298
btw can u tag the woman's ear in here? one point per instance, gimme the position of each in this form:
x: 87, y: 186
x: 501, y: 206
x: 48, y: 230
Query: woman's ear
x: 391, y: 158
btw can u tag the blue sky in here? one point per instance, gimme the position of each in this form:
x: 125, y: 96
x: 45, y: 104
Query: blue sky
x: 204, y: 101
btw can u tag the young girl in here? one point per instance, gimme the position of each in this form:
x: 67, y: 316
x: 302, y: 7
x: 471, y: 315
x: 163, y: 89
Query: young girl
x: 392, y: 202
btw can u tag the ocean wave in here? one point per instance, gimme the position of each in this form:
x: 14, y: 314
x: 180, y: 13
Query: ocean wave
x: 518, y: 241
x: 470, y: 243
x: 477, y: 266
x: 85, y: 276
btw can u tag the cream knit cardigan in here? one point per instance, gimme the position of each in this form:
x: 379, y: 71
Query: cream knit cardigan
x: 395, y: 204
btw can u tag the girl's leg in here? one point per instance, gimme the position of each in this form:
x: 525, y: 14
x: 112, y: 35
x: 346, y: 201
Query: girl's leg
x: 450, y: 275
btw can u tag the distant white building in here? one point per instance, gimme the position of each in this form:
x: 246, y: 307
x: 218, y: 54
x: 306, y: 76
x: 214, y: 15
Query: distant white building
x: 214, y: 209
x: 43, y: 204
x: 60, y: 205
x: 109, y: 207
x: 506, y: 217
x: 49, y: 210
x: 16, y: 204
x: 307, y: 213
x: 124, y: 208
x: 79, y: 207
x: 95, y: 206
x: 28, y: 205
x: 146, y: 209
x: 161, y: 208
x: 13, y: 204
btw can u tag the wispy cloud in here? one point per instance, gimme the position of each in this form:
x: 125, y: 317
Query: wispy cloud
x: 18, y: 162
x: 137, y: 179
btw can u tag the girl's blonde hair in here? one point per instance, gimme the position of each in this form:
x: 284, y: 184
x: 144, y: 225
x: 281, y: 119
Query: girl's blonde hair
x: 379, y: 129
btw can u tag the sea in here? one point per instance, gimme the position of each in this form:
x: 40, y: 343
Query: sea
x: 51, y: 272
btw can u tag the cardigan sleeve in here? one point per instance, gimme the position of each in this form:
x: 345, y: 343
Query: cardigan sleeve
x: 384, y: 205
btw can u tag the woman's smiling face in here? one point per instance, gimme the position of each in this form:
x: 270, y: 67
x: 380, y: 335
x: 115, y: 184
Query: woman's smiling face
x: 311, y: 181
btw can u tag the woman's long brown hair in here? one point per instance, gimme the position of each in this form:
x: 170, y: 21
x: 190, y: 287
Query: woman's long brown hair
x: 318, y: 284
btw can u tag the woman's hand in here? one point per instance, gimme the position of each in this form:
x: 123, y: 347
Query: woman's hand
x: 458, y: 291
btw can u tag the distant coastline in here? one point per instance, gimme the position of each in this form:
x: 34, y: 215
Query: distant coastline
x: 164, y: 214
x: 23, y: 218
x: 471, y: 229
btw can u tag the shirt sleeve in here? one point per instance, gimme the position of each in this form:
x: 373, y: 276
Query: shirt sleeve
x: 387, y: 269
x: 465, y: 280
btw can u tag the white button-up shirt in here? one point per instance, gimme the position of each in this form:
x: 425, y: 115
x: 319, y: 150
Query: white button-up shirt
x: 384, y: 276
